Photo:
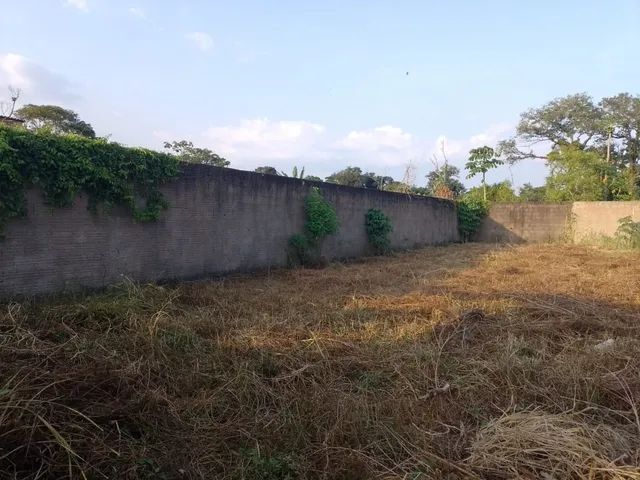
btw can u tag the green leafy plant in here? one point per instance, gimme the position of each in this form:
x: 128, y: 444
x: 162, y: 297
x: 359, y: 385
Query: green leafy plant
x: 379, y: 228
x: 299, y: 252
x: 321, y: 216
x: 481, y: 160
x: 64, y: 165
x: 321, y: 221
x: 470, y: 214
x: 274, y: 467
x: 628, y: 233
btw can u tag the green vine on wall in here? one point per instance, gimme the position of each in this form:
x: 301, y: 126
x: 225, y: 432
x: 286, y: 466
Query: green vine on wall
x: 65, y: 165
x: 470, y: 215
x: 321, y: 221
x: 379, y: 229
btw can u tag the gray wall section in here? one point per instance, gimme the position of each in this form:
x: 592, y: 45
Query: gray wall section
x: 525, y: 222
x: 219, y: 221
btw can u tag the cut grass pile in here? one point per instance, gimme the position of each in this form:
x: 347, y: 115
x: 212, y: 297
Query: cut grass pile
x: 454, y: 362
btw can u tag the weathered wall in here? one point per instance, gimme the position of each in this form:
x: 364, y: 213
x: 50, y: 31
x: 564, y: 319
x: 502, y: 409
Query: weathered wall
x: 525, y: 222
x: 220, y: 220
x: 593, y: 219
x: 545, y: 222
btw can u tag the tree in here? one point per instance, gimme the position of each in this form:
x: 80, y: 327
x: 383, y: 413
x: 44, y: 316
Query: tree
x: 186, y: 152
x: 8, y: 108
x: 445, y: 176
x: 529, y: 193
x: 398, y: 187
x: 313, y: 178
x: 570, y: 120
x: 373, y: 180
x: 297, y: 174
x: 622, y: 124
x: 501, y: 192
x: 354, y: 177
x: 267, y: 170
x: 57, y: 119
x: 350, y: 176
x: 576, y: 175
x: 481, y: 160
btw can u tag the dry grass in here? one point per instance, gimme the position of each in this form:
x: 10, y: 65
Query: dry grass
x: 456, y: 362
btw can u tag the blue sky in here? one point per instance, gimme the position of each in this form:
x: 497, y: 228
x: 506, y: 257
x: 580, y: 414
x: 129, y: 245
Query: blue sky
x: 324, y: 84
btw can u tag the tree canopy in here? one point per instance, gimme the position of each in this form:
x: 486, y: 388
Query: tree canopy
x: 186, y: 152
x: 355, y: 177
x: 54, y: 118
x: 497, y: 192
x: 267, y: 170
x: 445, y: 177
x: 481, y: 160
x: 609, y: 129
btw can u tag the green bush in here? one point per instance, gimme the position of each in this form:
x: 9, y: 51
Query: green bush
x: 628, y: 233
x: 64, y: 165
x: 321, y: 216
x: 299, y: 251
x: 379, y: 229
x: 470, y: 214
x: 321, y: 220
x: 257, y: 466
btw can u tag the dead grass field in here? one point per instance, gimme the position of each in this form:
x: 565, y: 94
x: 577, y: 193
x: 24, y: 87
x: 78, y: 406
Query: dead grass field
x: 464, y: 361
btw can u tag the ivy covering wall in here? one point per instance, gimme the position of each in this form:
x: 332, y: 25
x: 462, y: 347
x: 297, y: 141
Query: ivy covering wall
x: 65, y: 165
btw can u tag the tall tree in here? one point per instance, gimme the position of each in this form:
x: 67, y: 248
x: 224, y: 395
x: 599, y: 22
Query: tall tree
x: 570, y: 120
x: 622, y: 124
x: 54, y: 118
x: 576, y: 174
x: 186, y: 152
x: 445, y: 177
x: 481, y: 160
x: 7, y: 109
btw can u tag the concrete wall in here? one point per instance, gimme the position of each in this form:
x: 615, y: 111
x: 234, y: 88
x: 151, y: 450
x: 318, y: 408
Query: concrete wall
x: 545, y: 222
x: 593, y: 219
x: 525, y: 222
x: 220, y: 220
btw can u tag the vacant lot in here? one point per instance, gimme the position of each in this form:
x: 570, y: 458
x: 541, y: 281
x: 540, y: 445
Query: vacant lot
x: 456, y: 362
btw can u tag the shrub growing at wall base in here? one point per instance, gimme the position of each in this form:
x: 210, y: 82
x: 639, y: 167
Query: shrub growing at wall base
x: 321, y: 220
x: 470, y: 214
x: 379, y: 228
x: 628, y: 233
x: 64, y: 165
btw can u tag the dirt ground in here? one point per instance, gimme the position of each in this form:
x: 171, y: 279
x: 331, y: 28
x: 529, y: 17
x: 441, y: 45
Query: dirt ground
x: 465, y: 361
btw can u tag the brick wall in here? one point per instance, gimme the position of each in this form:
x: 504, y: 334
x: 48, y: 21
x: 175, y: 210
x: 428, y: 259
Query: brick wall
x: 220, y: 221
x: 525, y: 222
x: 545, y: 222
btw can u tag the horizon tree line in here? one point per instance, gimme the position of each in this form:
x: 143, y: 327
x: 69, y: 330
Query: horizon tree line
x: 592, y: 150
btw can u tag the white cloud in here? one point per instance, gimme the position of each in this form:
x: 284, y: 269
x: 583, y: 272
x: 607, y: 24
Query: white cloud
x: 260, y: 139
x: 491, y: 136
x: 385, y: 149
x: 201, y: 40
x: 138, y: 12
x: 386, y: 137
x: 37, y: 82
x: 79, y: 4
x: 380, y: 148
x: 457, y: 149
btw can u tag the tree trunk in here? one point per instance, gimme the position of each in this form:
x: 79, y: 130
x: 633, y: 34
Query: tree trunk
x: 484, y: 188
